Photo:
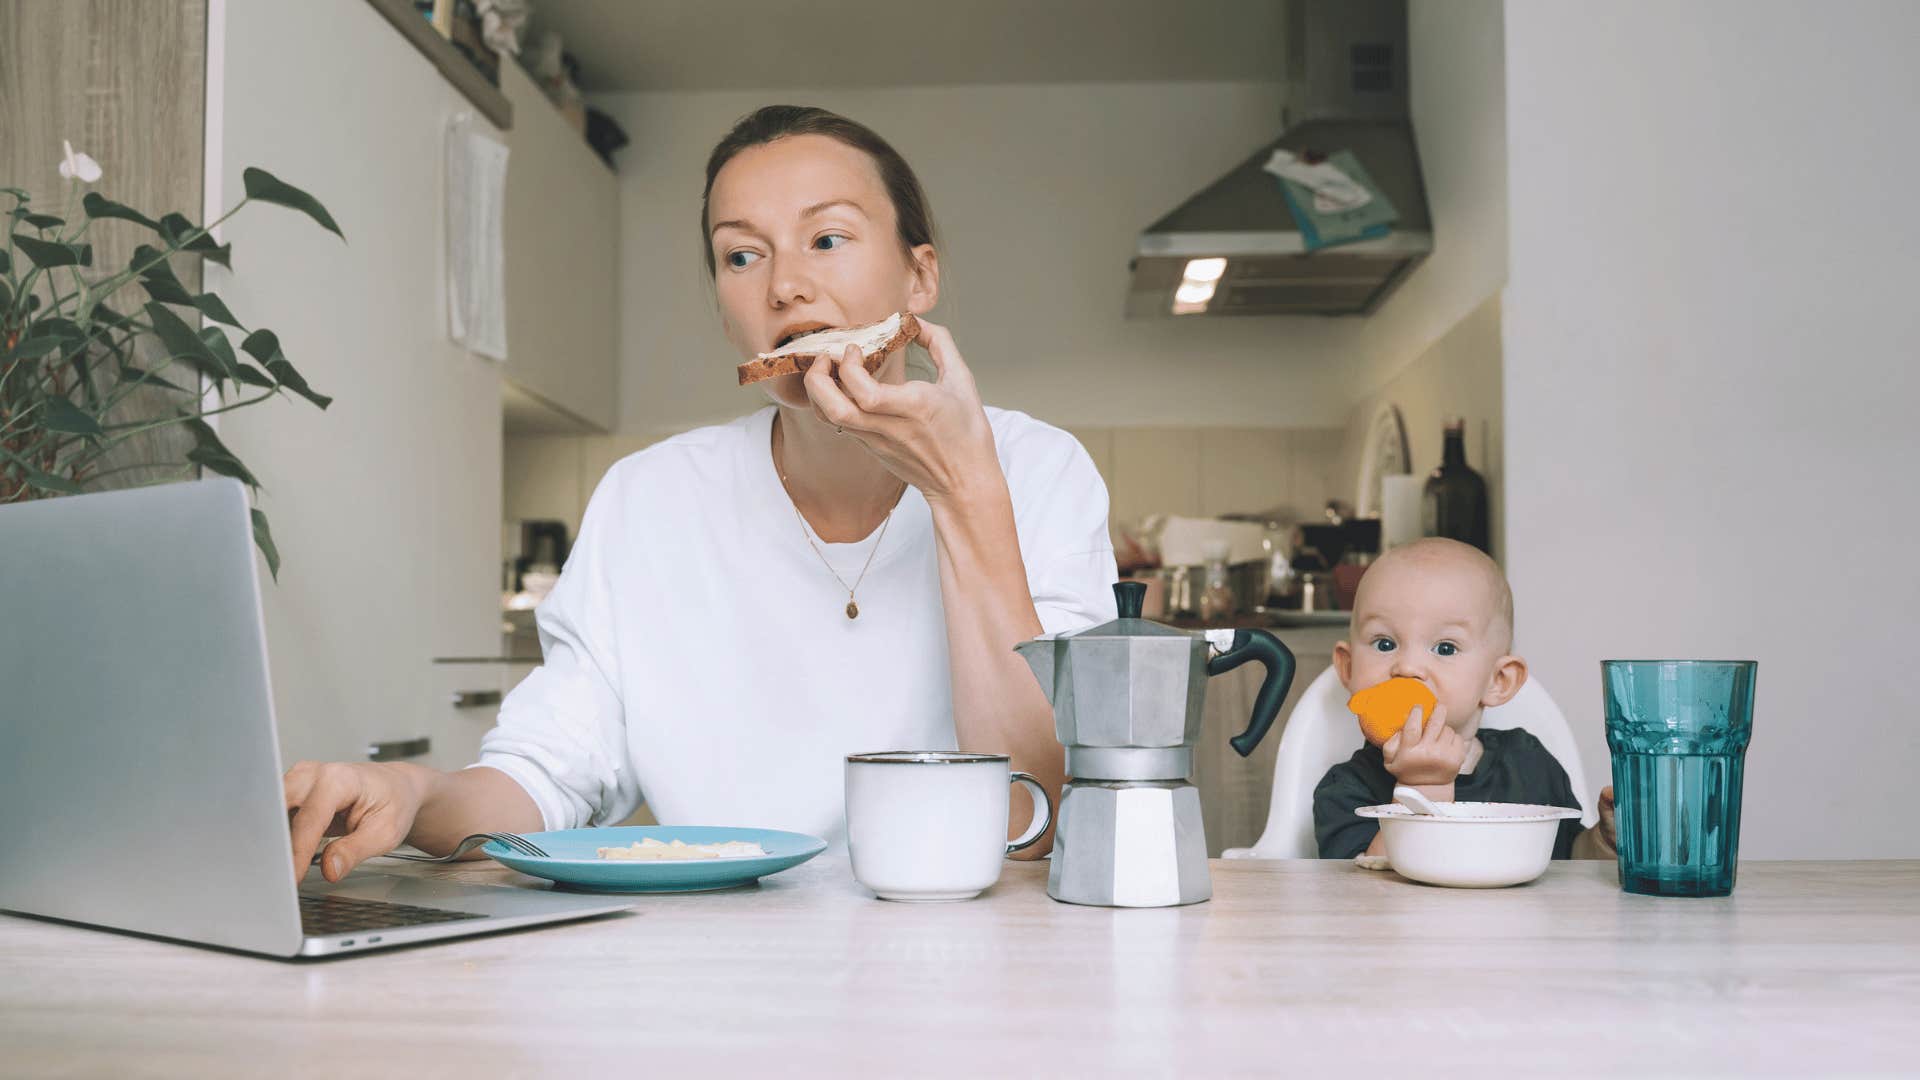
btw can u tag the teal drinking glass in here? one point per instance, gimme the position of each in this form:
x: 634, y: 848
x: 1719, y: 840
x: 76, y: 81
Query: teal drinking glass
x: 1678, y: 730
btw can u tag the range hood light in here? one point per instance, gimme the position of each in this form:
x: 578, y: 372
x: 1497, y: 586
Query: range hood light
x: 1345, y: 78
x: 1193, y: 292
x: 1205, y: 269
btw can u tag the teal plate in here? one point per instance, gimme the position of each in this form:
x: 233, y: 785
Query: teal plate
x: 572, y: 861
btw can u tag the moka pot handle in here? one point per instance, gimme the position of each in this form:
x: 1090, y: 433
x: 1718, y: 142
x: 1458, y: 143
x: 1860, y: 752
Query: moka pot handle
x: 1278, y: 659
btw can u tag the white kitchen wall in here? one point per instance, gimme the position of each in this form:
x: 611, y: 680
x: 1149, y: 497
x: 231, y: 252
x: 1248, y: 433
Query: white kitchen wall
x: 386, y: 506
x: 1040, y: 192
x: 1459, y: 375
x: 1035, y: 268
x: 1459, y: 100
x: 1710, y: 379
x: 1435, y: 349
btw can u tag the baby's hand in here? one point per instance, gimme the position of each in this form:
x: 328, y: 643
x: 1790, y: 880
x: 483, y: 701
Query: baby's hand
x: 1599, y: 841
x: 1426, y: 754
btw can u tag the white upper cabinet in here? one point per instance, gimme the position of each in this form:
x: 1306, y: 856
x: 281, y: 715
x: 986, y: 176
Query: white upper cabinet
x: 562, y: 254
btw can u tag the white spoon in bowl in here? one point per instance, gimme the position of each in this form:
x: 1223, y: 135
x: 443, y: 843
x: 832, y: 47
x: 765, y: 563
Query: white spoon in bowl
x: 1413, y: 800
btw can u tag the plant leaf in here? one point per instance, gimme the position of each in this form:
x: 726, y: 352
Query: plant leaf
x: 266, y: 187
x: 224, y: 464
x: 28, y: 348
x: 6, y: 265
x: 48, y: 254
x: 212, y: 307
x: 217, y: 343
x: 98, y: 206
x: 131, y: 374
x: 38, y: 479
x: 211, y: 452
x: 263, y: 539
x: 6, y: 294
x: 145, y: 254
x: 264, y: 346
x: 40, y: 221
x: 175, y: 226
x: 19, y: 195
x: 59, y: 414
x: 59, y: 327
x: 158, y: 278
x: 216, y: 340
x: 81, y: 360
x: 166, y: 290
x: 183, y: 344
x: 105, y: 314
x: 252, y: 376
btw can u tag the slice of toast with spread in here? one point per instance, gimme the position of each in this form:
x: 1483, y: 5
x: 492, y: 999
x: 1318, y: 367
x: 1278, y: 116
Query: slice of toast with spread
x: 876, y: 341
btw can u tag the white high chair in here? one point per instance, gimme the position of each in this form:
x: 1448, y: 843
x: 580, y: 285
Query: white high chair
x: 1320, y: 733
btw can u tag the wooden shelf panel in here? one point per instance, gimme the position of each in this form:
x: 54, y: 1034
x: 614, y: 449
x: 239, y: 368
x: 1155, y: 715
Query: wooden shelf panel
x: 456, y: 67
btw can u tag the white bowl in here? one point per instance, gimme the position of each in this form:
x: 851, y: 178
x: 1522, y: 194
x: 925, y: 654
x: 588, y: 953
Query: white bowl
x: 1470, y: 845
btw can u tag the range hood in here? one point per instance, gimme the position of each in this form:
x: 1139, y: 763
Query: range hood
x: 1347, y: 84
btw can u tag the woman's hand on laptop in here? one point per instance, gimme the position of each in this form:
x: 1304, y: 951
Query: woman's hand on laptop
x: 374, y: 808
x: 370, y: 807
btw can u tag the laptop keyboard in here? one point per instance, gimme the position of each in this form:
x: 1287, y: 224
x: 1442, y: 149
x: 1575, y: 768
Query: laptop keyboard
x: 325, y: 916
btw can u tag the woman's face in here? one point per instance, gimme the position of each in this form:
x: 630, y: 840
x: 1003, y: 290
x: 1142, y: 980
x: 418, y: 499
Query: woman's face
x: 804, y: 238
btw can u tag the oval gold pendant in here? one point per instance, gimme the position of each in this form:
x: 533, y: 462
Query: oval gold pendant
x: 853, y: 610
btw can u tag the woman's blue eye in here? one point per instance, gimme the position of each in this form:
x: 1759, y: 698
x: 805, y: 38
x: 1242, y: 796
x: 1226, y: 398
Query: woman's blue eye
x: 1383, y: 644
x: 1446, y: 648
x: 825, y: 243
x: 740, y: 259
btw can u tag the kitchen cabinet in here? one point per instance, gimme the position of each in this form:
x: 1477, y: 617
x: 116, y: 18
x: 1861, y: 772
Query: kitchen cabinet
x: 463, y: 703
x: 386, y: 506
x: 562, y: 256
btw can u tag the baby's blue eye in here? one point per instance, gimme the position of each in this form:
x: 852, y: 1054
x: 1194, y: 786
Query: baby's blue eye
x: 1446, y: 648
x: 825, y: 243
x: 740, y: 259
x: 1383, y: 644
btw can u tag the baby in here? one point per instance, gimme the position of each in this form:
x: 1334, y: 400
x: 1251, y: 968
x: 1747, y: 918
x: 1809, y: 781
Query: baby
x: 1441, y: 612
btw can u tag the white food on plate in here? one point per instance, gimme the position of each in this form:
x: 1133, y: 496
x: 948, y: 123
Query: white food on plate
x: 651, y: 850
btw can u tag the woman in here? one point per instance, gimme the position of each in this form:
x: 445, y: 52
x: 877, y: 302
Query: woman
x: 845, y: 570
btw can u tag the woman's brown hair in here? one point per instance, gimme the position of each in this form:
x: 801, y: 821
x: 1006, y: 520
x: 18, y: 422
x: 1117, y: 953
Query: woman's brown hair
x: 771, y: 122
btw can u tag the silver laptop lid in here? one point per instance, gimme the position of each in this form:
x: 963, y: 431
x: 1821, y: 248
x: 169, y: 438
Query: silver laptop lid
x: 139, y: 766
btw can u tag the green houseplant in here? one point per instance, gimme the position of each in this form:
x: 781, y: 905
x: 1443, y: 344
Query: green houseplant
x: 86, y: 366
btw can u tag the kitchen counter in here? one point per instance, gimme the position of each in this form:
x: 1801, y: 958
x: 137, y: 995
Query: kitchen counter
x: 1808, y: 967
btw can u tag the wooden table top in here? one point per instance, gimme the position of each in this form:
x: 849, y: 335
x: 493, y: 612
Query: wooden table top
x: 1808, y: 967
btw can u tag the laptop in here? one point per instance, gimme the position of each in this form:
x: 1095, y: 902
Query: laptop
x: 139, y: 766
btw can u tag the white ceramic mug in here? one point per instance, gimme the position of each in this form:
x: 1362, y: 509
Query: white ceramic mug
x: 931, y: 825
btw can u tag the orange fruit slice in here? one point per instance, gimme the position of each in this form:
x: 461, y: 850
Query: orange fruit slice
x: 1383, y: 709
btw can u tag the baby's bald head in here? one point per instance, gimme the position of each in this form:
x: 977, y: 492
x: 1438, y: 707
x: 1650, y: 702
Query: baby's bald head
x: 1440, y: 573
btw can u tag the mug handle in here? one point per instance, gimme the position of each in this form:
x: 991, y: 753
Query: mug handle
x: 1042, y: 802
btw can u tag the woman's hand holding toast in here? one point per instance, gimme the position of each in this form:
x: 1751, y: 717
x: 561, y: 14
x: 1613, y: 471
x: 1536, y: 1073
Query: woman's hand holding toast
x: 933, y: 435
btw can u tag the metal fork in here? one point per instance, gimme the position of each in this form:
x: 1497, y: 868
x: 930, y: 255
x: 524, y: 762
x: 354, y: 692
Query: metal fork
x: 518, y: 843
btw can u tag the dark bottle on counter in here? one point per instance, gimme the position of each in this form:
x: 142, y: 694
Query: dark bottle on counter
x: 1455, y: 503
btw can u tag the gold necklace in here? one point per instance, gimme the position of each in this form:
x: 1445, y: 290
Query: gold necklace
x: 853, y: 608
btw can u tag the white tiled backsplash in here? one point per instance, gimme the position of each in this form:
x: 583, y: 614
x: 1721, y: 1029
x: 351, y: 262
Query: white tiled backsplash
x: 1193, y: 471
